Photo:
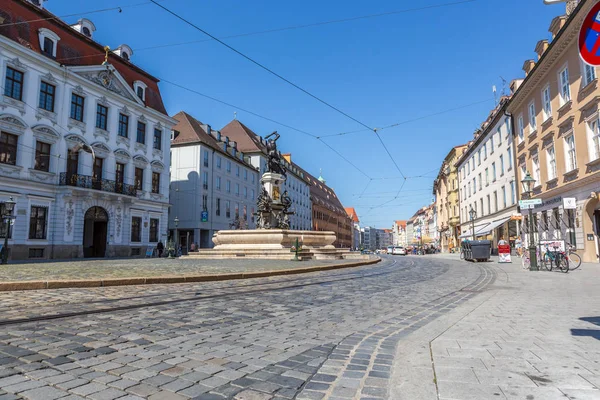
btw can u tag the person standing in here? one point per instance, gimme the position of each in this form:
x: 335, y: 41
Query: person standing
x: 159, y: 249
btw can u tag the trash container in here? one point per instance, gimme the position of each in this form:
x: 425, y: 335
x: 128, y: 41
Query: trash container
x: 466, y: 250
x: 481, y: 250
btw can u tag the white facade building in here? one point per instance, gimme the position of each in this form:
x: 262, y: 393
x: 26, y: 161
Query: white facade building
x: 487, y: 180
x: 254, y: 148
x: 70, y: 204
x: 213, y: 185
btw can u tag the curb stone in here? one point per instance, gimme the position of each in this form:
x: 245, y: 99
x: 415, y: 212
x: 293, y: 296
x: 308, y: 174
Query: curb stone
x: 155, y: 280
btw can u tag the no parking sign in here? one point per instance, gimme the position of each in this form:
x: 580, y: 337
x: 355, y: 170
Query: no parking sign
x: 589, y: 37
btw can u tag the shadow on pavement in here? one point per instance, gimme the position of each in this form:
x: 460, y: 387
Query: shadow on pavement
x: 595, y: 333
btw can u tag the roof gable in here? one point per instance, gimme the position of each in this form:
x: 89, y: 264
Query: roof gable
x: 247, y: 141
x: 109, y: 78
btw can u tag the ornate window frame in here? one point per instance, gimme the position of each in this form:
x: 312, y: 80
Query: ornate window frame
x: 47, y: 33
x: 40, y: 113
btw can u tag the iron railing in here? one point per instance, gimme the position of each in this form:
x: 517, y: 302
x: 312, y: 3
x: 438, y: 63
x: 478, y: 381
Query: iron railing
x: 89, y: 182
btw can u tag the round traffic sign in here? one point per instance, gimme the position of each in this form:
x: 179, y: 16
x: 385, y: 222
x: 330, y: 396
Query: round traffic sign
x: 589, y: 37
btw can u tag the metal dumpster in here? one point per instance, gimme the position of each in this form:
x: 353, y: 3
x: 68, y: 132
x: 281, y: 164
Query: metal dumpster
x: 481, y: 250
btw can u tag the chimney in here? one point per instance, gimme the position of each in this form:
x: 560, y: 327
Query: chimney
x: 541, y: 47
x: 557, y: 24
x: 515, y: 84
x: 528, y: 66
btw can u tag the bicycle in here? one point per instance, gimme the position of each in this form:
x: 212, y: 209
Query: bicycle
x: 557, y: 257
x: 574, y: 258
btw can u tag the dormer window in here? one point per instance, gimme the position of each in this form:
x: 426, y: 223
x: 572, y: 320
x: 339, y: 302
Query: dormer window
x: 86, y: 31
x: 123, y: 51
x: 140, y: 89
x: 48, y: 42
x: 85, y: 26
x: 125, y: 55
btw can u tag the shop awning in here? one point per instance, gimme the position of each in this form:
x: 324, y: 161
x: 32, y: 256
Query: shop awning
x: 490, y: 227
x: 469, y: 233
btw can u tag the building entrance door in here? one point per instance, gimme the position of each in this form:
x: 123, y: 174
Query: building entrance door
x: 95, y: 229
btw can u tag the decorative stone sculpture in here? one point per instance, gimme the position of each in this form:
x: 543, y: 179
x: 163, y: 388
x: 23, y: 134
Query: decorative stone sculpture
x: 274, y: 164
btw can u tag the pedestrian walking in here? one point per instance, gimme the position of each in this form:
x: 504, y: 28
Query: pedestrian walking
x: 160, y: 248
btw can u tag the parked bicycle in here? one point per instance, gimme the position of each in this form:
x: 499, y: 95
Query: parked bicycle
x: 574, y: 258
x: 556, y: 258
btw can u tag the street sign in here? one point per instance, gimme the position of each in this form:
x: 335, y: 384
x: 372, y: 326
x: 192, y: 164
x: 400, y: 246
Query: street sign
x: 569, y: 203
x: 531, y: 202
x: 527, y: 206
x: 204, y: 216
x: 589, y: 37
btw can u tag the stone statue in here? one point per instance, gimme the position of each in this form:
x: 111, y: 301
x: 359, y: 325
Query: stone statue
x: 283, y: 218
x: 263, y: 208
x: 274, y: 164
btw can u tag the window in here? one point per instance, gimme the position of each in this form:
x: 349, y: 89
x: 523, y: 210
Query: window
x: 565, y: 90
x: 120, y: 173
x: 489, y: 204
x: 245, y: 174
x: 474, y: 185
x: 4, y: 225
x: 123, y: 125
x: 589, y: 74
x: 520, y: 129
x: 136, y: 229
x: 156, y: 182
x: 72, y: 163
x: 139, y: 179
x: 42, y: 156
x: 551, y: 157
x: 594, y: 135
x: 77, y: 103
x: 532, y: 123
x: 251, y: 194
x: 480, y: 183
x: 36, y: 253
x: 37, y: 222
x: 473, y: 164
x: 218, y: 183
x: 153, y: 230
x: 204, y: 202
x: 218, y: 207
x: 228, y: 186
x: 13, y: 84
x: 252, y: 176
x: 101, y: 116
x: 47, y: 92
x: 495, y: 201
x: 481, y: 206
x: 493, y: 172
x: 571, y: 156
x: 237, y: 170
x: 205, y: 180
x: 8, y: 148
x: 571, y: 227
x: 245, y: 192
x: 140, y: 93
x: 499, y: 136
x: 485, y: 151
x: 227, y: 209
x: 501, y: 165
x: 508, y: 127
x: 513, y: 194
x: 97, y: 170
x: 546, y: 102
x: 205, y: 161
x: 219, y: 162
x: 141, y: 133
x: 536, y: 170
x: 504, y: 196
x: 510, y: 162
x: 237, y: 189
x: 48, y: 47
x: 469, y: 190
x: 228, y: 166
x: 157, y: 143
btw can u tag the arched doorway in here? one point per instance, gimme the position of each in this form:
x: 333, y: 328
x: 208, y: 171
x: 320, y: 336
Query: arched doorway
x: 95, y: 229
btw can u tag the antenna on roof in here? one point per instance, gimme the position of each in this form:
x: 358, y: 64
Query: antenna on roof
x: 235, y: 115
x: 503, y: 86
x: 495, y: 95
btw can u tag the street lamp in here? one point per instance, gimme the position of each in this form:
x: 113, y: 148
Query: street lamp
x: 176, y: 220
x: 473, y: 214
x: 528, y: 183
x: 9, y: 206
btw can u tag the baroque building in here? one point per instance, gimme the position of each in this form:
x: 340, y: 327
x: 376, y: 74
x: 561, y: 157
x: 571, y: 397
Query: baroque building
x: 84, y: 141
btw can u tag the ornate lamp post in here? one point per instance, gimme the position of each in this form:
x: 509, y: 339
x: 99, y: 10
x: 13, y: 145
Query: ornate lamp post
x: 528, y: 183
x: 473, y: 214
x: 9, y: 206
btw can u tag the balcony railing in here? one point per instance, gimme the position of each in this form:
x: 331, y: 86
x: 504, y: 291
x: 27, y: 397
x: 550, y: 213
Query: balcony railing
x: 89, y: 182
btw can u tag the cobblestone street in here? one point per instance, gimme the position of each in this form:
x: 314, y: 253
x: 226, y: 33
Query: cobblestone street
x: 344, y: 334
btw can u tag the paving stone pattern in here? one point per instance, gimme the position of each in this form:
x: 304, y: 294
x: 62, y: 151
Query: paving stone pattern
x: 326, y: 335
x: 143, y: 267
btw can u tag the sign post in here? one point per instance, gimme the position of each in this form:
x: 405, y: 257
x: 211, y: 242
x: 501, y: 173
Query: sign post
x: 589, y: 37
x: 204, y: 216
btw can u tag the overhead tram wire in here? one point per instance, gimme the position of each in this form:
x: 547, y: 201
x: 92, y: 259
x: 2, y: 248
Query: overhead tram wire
x: 287, y: 28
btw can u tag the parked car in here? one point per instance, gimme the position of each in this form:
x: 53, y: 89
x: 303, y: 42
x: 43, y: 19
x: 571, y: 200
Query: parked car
x: 399, y: 251
x: 390, y: 250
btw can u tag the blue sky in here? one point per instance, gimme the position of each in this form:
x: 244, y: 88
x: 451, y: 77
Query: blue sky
x: 381, y: 71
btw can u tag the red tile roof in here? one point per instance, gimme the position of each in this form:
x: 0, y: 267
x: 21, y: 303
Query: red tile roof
x: 352, y: 213
x: 193, y: 131
x: 401, y: 223
x: 247, y: 141
x: 74, y: 48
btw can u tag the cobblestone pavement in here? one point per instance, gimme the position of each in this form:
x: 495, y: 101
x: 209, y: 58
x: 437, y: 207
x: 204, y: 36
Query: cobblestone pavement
x: 531, y: 335
x: 143, y: 267
x: 322, y: 335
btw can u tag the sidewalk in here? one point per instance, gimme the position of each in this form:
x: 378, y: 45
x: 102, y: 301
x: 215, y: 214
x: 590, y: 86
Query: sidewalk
x: 530, y: 335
